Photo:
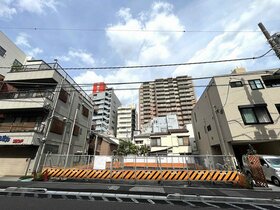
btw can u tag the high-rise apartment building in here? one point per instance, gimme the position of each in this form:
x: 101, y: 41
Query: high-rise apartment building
x: 105, y: 117
x: 127, y: 122
x: 167, y: 96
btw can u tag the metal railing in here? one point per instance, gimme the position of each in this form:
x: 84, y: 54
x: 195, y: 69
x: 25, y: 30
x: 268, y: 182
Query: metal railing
x: 186, y: 162
x: 40, y: 66
x: 28, y: 94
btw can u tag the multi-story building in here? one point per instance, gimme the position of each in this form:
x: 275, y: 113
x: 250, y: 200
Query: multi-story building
x: 171, y: 139
x: 42, y: 110
x: 10, y: 54
x: 171, y: 142
x: 239, y: 109
x: 106, y: 103
x: 167, y: 96
x: 127, y: 122
x: 161, y: 124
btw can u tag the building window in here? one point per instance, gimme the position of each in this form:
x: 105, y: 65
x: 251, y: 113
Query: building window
x: 63, y: 95
x: 183, y: 141
x: 209, y: 128
x: 155, y: 142
x: 2, y: 51
x: 57, y: 126
x: 271, y: 81
x: 278, y: 107
x: 85, y: 111
x: 256, y: 84
x: 195, y: 117
x: 236, y: 84
x: 76, y: 130
x: 256, y: 114
x: 199, y: 137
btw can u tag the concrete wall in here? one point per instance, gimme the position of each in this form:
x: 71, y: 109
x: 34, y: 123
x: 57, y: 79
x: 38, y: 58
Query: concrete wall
x: 12, y: 53
x: 218, y: 108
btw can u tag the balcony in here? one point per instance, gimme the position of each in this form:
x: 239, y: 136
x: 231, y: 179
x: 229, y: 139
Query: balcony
x: 21, y: 127
x: 25, y: 99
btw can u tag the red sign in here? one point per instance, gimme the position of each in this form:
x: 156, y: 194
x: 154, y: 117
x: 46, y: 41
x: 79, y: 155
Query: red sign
x: 17, y: 141
x: 99, y: 87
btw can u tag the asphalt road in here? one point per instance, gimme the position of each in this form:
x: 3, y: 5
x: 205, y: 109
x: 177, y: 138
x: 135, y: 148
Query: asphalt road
x: 23, y: 203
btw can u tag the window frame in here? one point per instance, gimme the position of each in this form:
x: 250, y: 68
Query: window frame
x: 253, y: 108
x: 254, y: 81
x: 2, y: 51
x: 158, y: 142
x: 185, y: 141
x: 236, y: 84
x: 277, y: 106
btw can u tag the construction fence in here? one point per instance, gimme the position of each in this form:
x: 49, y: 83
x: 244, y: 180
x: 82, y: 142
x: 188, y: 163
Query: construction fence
x: 98, y: 162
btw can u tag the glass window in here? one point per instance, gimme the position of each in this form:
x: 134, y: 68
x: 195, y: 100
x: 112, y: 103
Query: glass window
x: 2, y: 51
x: 257, y: 114
x: 236, y: 84
x: 155, y: 142
x: 183, y: 141
x: 248, y: 115
x: 256, y: 84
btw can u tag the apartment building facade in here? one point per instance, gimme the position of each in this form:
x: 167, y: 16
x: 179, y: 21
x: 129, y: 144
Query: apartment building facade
x: 42, y: 110
x: 167, y: 96
x: 127, y: 122
x: 105, y: 118
x: 239, y: 109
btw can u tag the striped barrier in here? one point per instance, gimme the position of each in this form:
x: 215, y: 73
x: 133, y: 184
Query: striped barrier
x: 146, y: 175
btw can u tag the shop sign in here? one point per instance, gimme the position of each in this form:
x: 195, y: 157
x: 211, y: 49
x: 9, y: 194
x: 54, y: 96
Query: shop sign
x: 8, y: 139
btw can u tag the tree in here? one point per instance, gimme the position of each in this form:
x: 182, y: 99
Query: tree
x: 144, y: 150
x: 127, y: 148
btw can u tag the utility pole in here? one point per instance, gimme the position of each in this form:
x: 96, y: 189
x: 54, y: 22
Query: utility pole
x: 71, y: 137
x: 273, y: 40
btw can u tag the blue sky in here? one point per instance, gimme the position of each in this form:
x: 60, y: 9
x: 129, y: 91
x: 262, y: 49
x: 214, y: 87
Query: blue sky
x: 110, y: 46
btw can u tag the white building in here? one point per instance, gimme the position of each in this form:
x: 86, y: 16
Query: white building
x: 10, y: 54
x: 161, y: 124
x: 127, y: 122
x: 42, y: 110
x: 239, y: 109
x: 105, y: 118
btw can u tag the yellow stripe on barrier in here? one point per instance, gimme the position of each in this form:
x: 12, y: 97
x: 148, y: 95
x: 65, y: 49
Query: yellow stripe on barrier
x: 165, y: 175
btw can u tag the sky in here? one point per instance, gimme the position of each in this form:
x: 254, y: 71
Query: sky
x: 91, y: 33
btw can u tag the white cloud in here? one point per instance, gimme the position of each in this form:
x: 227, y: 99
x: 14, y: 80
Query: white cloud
x: 79, y: 56
x: 125, y: 96
x: 230, y: 45
x: 37, y: 6
x: 145, y: 47
x: 8, y: 8
x: 35, y: 52
x: 22, y: 40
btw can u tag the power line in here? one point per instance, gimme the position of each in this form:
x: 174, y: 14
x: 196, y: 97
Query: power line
x: 126, y: 30
x: 126, y: 83
x: 150, y: 66
x: 42, y: 91
x: 92, y: 29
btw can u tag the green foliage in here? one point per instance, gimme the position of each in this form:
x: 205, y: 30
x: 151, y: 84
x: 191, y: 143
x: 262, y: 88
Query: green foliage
x: 144, y: 150
x: 128, y: 148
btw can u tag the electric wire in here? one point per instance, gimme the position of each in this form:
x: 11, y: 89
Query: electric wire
x: 34, y: 28
x: 150, y: 66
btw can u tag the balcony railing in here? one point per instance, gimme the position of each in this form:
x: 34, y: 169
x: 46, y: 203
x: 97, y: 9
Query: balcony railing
x: 22, y: 127
x: 27, y: 94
